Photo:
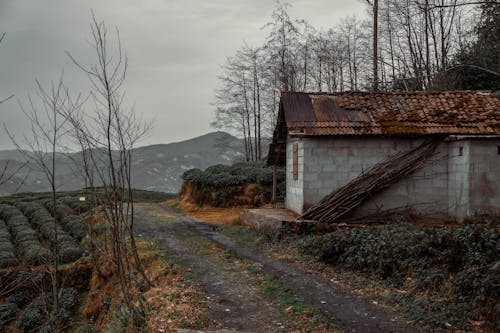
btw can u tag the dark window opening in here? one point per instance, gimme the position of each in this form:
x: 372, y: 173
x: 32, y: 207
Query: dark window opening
x: 295, y: 161
x: 460, y: 151
x: 498, y: 151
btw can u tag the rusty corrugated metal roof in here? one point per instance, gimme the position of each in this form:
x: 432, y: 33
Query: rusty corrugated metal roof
x: 405, y: 113
x: 409, y: 113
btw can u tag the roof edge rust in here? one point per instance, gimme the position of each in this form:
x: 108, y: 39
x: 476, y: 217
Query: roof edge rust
x: 399, y: 113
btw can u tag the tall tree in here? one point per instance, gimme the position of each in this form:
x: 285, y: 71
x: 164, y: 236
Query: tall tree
x: 477, y: 64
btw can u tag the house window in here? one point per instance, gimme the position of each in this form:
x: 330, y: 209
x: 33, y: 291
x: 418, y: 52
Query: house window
x: 295, y: 161
x: 498, y: 150
x: 460, y: 151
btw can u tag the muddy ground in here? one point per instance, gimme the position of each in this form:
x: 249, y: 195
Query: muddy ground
x: 222, y: 267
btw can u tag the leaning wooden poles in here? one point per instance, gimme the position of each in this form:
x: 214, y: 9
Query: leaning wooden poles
x: 340, y: 202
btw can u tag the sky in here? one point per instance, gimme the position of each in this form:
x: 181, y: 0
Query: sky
x: 175, y: 50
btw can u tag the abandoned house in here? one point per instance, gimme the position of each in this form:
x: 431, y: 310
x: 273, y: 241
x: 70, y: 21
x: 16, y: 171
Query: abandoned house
x: 329, y: 140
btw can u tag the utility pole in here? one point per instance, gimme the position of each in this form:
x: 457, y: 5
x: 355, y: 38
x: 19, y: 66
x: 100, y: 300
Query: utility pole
x: 375, y: 45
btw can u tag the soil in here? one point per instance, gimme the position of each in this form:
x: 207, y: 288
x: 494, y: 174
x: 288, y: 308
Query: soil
x: 218, y: 263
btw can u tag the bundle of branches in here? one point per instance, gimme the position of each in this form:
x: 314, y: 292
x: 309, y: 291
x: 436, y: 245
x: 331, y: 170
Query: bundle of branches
x: 340, y: 202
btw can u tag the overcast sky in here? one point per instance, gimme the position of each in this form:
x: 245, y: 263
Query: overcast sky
x: 175, y: 50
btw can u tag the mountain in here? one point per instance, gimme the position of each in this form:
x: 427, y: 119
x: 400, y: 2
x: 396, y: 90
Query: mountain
x: 155, y: 167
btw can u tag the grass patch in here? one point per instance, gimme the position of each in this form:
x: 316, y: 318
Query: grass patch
x: 306, y: 316
x: 174, y: 205
x: 245, y: 235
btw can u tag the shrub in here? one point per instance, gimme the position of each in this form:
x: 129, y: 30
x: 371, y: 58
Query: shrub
x: 69, y: 249
x: 462, y: 262
x: 33, y: 314
x: 75, y: 226
x: 78, y: 206
x: 7, y: 312
x: 219, y: 176
x: 25, y: 238
x: 19, y: 298
x: 7, y: 257
x: 68, y: 298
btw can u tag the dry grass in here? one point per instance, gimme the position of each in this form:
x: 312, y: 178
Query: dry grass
x: 213, y: 215
x: 173, y: 302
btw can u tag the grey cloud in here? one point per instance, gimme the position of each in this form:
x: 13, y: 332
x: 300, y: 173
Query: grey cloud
x: 175, y: 51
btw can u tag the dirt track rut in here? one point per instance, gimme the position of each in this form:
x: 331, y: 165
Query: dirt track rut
x: 235, y: 305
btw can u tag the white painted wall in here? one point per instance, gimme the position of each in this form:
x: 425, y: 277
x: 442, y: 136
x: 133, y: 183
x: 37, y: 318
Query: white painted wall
x: 459, y: 162
x: 294, y: 198
x: 484, y: 177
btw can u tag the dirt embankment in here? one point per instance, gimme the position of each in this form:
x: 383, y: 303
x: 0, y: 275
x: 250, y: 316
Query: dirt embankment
x: 249, y: 195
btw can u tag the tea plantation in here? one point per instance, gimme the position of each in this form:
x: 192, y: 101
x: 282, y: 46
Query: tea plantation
x: 27, y: 242
x: 28, y: 239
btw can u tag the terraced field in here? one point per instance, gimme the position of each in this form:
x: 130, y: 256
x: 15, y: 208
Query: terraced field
x: 28, y: 234
x: 28, y: 238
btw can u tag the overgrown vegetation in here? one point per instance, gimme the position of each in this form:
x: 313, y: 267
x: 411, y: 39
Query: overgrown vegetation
x: 27, y: 241
x: 241, y: 173
x: 240, y: 184
x: 450, y: 275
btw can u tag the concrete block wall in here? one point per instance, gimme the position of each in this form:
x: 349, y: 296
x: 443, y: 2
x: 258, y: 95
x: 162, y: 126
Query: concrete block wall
x: 462, y: 179
x: 333, y: 162
x: 459, y: 161
x: 294, y: 198
x: 484, y: 177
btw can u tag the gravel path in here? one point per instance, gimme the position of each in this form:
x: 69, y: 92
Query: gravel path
x: 236, y: 305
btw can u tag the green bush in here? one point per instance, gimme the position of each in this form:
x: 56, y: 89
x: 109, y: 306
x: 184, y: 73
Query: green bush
x: 19, y: 298
x: 463, y: 262
x: 7, y: 312
x: 69, y: 249
x: 71, y: 223
x: 68, y: 298
x: 33, y: 315
x: 25, y: 238
x: 7, y: 257
x: 219, y: 176
x: 75, y: 225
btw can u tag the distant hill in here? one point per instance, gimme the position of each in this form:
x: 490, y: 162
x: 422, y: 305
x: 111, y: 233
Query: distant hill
x: 155, y: 167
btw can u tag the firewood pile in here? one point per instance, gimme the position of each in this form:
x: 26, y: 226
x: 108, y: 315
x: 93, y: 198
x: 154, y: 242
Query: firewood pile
x: 334, y: 207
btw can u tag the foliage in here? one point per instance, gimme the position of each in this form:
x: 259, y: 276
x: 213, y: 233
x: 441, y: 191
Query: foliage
x: 32, y: 315
x: 25, y: 238
x: 67, y: 300
x: 73, y: 224
x: 7, y: 311
x: 220, y: 176
x: 468, y: 69
x: 69, y: 249
x: 6, y: 248
x: 459, y: 264
x: 35, y: 314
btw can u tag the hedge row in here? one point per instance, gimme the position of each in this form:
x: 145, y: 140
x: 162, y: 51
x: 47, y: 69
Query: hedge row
x: 69, y: 249
x: 242, y: 173
x: 34, y: 315
x: 462, y: 263
x: 71, y: 223
x: 76, y: 205
x: 7, y: 312
x: 7, y: 257
x: 25, y: 238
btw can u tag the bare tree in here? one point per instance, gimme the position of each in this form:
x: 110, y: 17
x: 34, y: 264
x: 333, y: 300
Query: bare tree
x: 107, y: 138
x: 2, y: 37
x: 41, y: 148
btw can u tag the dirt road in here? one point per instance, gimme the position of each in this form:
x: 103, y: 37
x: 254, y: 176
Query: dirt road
x: 220, y: 267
